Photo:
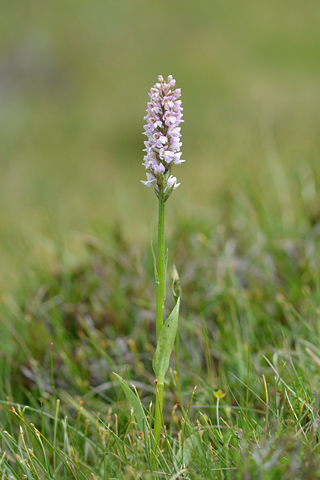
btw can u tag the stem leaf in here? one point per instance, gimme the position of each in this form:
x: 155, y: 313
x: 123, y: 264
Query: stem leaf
x: 156, y: 276
x: 165, y: 272
x: 135, y: 404
x: 165, y: 344
x: 166, y: 262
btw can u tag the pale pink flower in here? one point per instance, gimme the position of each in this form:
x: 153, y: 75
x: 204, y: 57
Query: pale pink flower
x: 167, y: 103
x: 176, y: 158
x: 169, y: 118
x: 151, y: 180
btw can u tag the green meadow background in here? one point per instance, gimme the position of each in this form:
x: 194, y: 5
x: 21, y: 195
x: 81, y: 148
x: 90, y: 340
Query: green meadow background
x: 74, y: 78
x: 77, y: 293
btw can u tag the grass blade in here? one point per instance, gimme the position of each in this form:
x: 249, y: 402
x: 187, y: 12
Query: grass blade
x: 135, y: 404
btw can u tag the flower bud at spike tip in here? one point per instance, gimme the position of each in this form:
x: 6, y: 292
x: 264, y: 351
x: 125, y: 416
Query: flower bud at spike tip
x: 164, y: 115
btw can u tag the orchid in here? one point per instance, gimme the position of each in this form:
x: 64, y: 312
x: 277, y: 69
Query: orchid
x: 162, y: 151
x: 162, y: 147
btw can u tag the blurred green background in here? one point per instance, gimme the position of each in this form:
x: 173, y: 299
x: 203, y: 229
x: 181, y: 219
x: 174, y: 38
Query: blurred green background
x: 74, y: 78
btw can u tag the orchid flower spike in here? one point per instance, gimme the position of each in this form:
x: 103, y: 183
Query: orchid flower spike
x: 164, y: 115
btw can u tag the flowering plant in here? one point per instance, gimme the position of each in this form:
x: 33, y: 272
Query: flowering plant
x: 162, y: 147
x: 164, y: 115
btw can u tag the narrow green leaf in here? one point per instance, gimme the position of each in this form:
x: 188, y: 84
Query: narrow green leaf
x: 166, y: 261
x: 156, y: 276
x: 165, y: 344
x: 135, y: 404
x: 165, y: 271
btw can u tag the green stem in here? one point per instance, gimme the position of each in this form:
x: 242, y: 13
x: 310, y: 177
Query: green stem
x: 158, y: 413
x: 160, y: 267
x: 159, y: 309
